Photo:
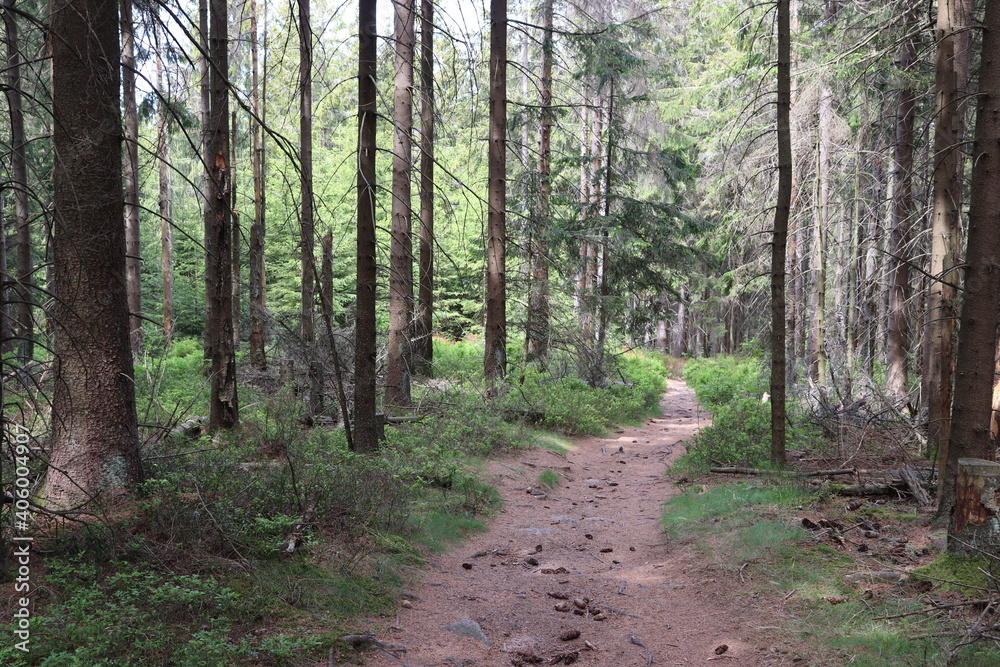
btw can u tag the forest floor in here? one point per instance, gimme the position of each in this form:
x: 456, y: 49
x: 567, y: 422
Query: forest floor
x: 594, y: 540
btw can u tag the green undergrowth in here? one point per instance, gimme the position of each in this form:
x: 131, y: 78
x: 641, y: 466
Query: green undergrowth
x: 732, y: 389
x: 261, y: 546
x: 751, y: 535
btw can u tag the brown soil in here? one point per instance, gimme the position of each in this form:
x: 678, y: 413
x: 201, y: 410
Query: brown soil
x: 594, y: 538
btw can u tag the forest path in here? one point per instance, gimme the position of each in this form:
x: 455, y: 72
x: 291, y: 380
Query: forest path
x: 600, y: 538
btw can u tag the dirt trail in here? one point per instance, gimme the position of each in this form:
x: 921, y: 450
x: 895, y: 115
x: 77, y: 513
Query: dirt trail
x: 595, y: 536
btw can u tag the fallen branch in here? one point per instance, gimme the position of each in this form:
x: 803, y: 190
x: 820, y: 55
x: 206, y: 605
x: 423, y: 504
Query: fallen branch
x: 733, y: 470
x: 940, y: 607
x: 914, y: 485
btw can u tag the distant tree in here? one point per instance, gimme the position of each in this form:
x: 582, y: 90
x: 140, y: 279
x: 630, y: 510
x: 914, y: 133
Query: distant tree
x: 95, y: 443
x: 538, y: 298
x: 423, y: 340
x: 495, y: 362
x: 399, y: 366
x: 25, y: 329
x: 365, y: 420
x: 133, y: 246
x: 165, y: 208
x: 258, y: 270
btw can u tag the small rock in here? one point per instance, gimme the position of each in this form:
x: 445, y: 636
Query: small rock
x: 600, y: 616
x: 562, y: 606
x: 407, y: 604
x: 721, y: 648
x: 569, y: 635
x: 468, y: 628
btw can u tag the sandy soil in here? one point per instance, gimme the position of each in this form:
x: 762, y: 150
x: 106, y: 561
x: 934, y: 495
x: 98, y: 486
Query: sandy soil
x: 594, y: 539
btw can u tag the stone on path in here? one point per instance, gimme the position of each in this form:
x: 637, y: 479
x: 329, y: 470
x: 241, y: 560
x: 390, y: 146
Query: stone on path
x: 468, y: 628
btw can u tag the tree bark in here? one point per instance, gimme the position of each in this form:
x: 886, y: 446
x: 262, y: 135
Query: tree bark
x: 95, y: 442
x: 307, y: 224
x: 495, y: 361
x: 538, y: 298
x: 166, y: 215
x: 223, y: 400
x: 941, y: 306
x: 258, y: 270
x: 133, y: 246
x: 397, y: 385
x: 423, y: 340
x: 980, y: 316
x: 365, y: 420
x: 898, y: 340
x: 25, y: 329
x: 780, y: 236
x: 817, y: 326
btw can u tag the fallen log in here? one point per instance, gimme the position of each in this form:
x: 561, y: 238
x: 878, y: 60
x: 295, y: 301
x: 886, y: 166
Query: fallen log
x: 733, y: 470
x: 914, y: 485
x: 863, y: 489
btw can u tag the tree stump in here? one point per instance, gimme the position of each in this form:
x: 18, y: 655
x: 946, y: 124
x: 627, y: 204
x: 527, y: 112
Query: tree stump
x: 975, y: 520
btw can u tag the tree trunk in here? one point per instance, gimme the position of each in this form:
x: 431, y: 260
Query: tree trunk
x: 941, y: 307
x: 898, y: 340
x: 397, y: 384
x: 133, y: 246
x: 538, y: 298
x: 25, y: 329
x: 817, y: 327
x: 307, y: 224
x: 258, y: 271
x: 977, y: 332
x: 237, y: 239
x: 423, y: 340
x: 780, y: 236
x: 495, y: 361
x: 326, y: 276
x: 207, y: 191
x: 166, y: 215
x: 223, y: 400
x: 95, y: 442
x: 365, y: 420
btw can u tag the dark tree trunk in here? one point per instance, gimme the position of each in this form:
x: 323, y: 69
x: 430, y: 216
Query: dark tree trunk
x: 223, y: 401
x: 25, y: 329
x: 307, y: 225
x: 941, y: 305
x: 780, y: 236
x: 423, y: 340
x: 977, y: 338
x: 495, y: 362
x: 365, y: 420
x: 258, y: 271
x: 397, y: 384
x: 898, y: 339
x: 538, y: 298
x: 95, y: 443
x: 237, y: 238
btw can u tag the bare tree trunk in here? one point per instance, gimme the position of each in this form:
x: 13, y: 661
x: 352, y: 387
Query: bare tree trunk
x: 326, y: 275
x: 780, y: 236
x: 223, y: 400
x: 166, y: 215
x: 397, y: 386
x: 423, y: 341
x: 25, y: 329
x: 817, y: 336
x: 258, y: 271
x: 977, y: 338
x: 941, y: 306
x: 495, y: 362
x: 365, y: 421
x: 207, y: 191
x: 307, y: 224
x: 95, y: 442
x: 898, y: 341
x: 133, y: 246
x: 538, y: 298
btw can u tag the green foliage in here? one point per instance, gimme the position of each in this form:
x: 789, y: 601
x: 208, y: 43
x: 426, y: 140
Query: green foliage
x: 571, y: 406
x: 549, y: 479
x: 134, y: 614
x: 962, y: 575
x: 731, y: 387
x: 169, y: 383
x: 691, y: 510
